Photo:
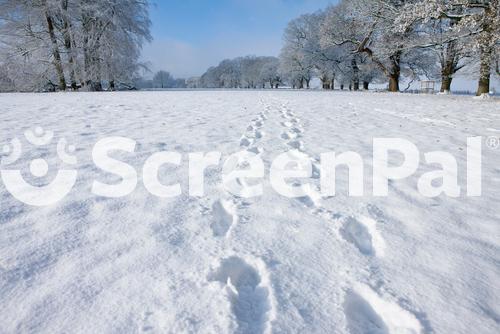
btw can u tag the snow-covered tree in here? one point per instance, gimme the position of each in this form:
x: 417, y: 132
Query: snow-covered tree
x: 193, y: 82
x: 464, y: 28
x: 297, y: 54
x: 270, y: 73
x: 73, y: 42
x: 243, y: 72
x: 368, y: 27
x: 163, y: 79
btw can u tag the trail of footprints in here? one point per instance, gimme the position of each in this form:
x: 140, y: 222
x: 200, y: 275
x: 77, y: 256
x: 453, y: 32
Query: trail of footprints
x: 253, y: 134
x: 224, y: 211
x: 365, y: 310
x: 246, y: 285
x: 360, y: 231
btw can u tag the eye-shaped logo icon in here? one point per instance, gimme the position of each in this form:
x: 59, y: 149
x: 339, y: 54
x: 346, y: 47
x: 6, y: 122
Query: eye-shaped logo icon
x: 33, y: 195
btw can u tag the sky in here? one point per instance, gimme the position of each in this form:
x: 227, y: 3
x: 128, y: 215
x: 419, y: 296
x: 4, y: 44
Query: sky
x: 189, y: 36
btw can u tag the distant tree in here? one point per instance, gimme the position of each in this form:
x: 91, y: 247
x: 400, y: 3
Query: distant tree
x: 163, y: 79
x: 270, y: 73
x: 297, y: 59
x: 243, y: 72
x: 179, y: 83
x: 193, y: 82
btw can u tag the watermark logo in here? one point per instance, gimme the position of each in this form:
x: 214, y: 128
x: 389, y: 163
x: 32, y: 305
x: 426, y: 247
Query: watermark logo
x: 291, y: 173
x: 493, y: 142
x: 35, y: 195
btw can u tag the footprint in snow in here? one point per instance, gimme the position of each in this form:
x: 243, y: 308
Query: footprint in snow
x: 367, y: 312
x: 248, y: 292
x: 296, y: 144
x: 224, y: 215
x: 245, y: 142
x: 288, y: 135
x: 363, y: 234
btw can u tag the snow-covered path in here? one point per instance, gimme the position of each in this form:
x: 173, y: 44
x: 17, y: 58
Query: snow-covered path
x: 270, y: 264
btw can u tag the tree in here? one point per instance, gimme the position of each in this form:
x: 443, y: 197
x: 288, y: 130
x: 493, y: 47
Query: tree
x: 163, y: 79
x: 92, y: 42
x: 367, y: 27
x: 269, y: 73
x: 297, y: 56
x: 243, y: 72
x: 458, y: 29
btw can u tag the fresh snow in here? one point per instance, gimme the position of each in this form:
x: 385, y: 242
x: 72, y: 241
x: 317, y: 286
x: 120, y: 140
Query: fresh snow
x: 222, y: 264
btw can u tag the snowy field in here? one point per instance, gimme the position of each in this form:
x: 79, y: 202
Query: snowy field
x: 223, y: 264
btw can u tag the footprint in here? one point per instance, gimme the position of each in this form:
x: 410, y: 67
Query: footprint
x: 356, y: 233
x: 245, y: 142
x: 288, y: 135
x: 367, y: 312
x: 364, y: 235
x: 296, y: 144
x: 316, y: 169
x: 312, y: 199
x: 256, y: 150
x: 224, y: 217
x: 147, y: 326
x: 361, y: 317
x: 297, y: 130
x: 248, y: 293
x: 258, y: 134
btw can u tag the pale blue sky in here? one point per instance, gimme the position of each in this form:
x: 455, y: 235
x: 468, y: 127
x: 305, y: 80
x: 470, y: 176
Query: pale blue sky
x: 192, y: 35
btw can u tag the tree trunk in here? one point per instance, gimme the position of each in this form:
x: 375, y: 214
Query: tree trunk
x: 394, y: 83
x: 342, y: 87
x: 366, y: 85
x: 395, y: 72
x: 98, y: 80
x: 486, y: 47
x: 308, y: 81
x: 324, y: 82
x: 92, y: 61
x: 55, y: 48
x: 484, y: 74
x: 355, y: 71
x: 87, y: 82
x: 486, y: 58
x: 68, y: 44
x: 446, y: 83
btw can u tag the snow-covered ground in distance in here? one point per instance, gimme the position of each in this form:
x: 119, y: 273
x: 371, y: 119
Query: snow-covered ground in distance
x: 221, y: 264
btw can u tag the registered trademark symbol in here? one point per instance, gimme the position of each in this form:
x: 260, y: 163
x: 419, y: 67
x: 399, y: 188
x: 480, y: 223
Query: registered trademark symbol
x: 493, y: 142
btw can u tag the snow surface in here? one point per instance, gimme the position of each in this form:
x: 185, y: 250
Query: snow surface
x: 222, y: 264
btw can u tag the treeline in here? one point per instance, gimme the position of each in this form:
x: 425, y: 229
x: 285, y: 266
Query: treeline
x: 161, y: 80
x: 359, y: 42
x: 71, y: 44
x: 243, y: 72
